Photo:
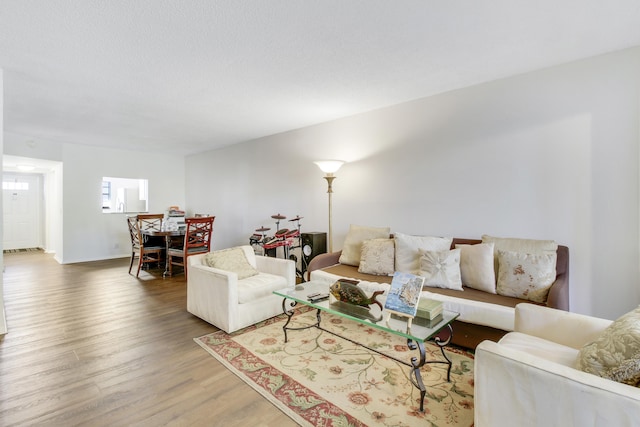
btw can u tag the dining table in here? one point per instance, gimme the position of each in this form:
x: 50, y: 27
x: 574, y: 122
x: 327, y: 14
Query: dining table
x: 168, y: 235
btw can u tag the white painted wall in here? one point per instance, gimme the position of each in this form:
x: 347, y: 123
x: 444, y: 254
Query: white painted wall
x: 549, y: 155
x: 3, y: 321
x: 86, y: 234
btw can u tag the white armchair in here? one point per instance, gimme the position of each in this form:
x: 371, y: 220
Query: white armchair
x: 528, y: 378
x: 218, y: 297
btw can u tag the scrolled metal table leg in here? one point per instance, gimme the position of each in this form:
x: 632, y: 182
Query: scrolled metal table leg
x: 417, y: 363
x: 289, y: 313
x: 442, y: 344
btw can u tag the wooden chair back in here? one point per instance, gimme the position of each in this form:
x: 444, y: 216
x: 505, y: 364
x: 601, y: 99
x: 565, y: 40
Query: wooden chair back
x: 198, y: 235
x: 134, y: 231
x: 197, y: 240
x: 150, y: 221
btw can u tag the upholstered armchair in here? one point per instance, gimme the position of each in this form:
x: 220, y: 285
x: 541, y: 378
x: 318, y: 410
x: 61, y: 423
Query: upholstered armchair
x: 219, y: 293
x: 529, y: 377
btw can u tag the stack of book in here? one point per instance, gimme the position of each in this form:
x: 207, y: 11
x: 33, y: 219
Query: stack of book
x: 429, y: 313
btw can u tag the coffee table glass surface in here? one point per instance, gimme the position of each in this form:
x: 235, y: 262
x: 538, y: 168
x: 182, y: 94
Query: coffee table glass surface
x: 373, y: 316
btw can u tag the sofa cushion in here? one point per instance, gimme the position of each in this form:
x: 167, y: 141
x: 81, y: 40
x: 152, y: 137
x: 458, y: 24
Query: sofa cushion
x: 441, y: 269
x: 259, y: 286
x: 526, y: 276
x: 616, y: 353
x: 407, y: 247
x: 477, y: 268
x: 527, y: 246
x: 357, y: 234
x: 474, y: 306
x: 233, y: 260
x: 377, y: 257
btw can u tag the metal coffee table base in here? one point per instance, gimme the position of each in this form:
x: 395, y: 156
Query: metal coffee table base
x: 415, y: 363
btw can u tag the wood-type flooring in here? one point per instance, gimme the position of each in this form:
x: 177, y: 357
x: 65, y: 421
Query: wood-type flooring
x: 91, y: 345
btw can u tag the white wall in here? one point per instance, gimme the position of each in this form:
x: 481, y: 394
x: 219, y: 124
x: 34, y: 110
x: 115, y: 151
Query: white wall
x: 549, y: 155
x: 87, y: 234
x: 3, y: 322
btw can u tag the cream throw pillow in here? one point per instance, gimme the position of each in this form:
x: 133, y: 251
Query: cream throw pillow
x: 441, y: 269
x: 476, y: 267
x: 527, y: 246
x: 526, y: 276
x: 377, y: 257
x: 407, y: 250
x: 357, y: 234
x: 615, y: 355
x: 233, y: 260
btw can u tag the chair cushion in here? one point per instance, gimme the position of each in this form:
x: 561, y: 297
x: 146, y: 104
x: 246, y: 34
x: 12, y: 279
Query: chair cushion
x: 233, y: 259
x: 259, y: 286
x: 616, y: 353
x: 540, y: 347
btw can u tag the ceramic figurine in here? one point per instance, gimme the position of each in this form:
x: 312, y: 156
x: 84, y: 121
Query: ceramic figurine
x: 349, y: 291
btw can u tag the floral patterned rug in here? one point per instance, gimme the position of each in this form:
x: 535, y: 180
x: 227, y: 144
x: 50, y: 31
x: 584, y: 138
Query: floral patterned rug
x: 319, y: 379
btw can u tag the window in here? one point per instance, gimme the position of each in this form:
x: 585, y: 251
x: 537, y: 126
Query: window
x: 124, y: 195
x: 15, y: 185
x: 106, y: 194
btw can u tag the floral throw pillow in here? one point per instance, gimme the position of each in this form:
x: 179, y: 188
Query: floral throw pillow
x: 615, y: 355
x: 526, y: 276
x: 377, y: 257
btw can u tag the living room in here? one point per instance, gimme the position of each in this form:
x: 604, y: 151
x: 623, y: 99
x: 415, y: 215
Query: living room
x: 550, y: 153
x: 484, y: 159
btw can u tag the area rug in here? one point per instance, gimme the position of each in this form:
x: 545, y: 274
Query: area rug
x: 319, y: 379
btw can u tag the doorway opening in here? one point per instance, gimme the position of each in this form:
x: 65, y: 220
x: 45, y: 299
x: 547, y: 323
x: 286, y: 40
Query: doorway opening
x: 32, y: 205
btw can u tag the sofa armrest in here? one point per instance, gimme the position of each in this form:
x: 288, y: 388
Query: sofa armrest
x: 559, y: 292
x: 559, y: 326
x: 323, y: 261
x: 278, y: 266
x: 515, y: 388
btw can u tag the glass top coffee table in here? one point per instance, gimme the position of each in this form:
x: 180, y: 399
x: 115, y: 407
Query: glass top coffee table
x: 415, y: 333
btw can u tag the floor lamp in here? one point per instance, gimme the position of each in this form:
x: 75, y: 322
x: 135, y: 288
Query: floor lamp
x: 329, y: 167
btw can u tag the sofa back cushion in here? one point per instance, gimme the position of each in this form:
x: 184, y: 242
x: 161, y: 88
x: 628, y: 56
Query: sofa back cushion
x: 526, y: 246
x: 408, y: 247
x: 351, y: 250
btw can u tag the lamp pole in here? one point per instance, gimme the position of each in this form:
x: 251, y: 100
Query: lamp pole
x: 329, y: 167
x: 329, y: 177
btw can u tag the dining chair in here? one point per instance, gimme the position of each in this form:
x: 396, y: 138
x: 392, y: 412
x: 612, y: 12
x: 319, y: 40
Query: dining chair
x: 150, y: 221
x: 146, y: 252
x: 197, y: 240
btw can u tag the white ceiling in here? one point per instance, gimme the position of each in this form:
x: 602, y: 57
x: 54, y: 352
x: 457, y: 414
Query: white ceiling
x: 186, y: 76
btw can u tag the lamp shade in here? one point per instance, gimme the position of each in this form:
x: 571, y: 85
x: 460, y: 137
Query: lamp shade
x: 329, y: 166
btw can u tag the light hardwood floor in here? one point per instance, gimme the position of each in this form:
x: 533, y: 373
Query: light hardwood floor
x: 91, y: 345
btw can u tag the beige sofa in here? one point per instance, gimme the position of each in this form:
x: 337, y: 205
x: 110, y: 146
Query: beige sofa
x: 529, y: 377
x: 482, y: 315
